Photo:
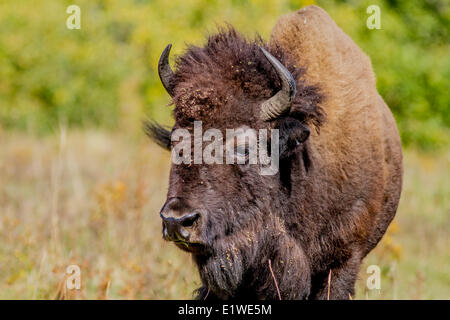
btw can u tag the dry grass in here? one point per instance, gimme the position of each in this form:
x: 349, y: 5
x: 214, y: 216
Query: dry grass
x: 414, y: 255
x: 92, y: 199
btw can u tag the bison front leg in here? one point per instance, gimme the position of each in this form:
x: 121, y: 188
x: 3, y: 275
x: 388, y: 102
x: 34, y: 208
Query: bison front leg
x: 203, y: 293
x: 286, y: 274
x: 337, y: 283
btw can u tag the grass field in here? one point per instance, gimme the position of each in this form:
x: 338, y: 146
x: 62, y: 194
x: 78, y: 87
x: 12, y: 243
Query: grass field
x: 93, y: 199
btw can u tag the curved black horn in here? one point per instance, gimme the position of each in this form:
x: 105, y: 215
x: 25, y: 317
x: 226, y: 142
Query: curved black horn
x: 164, y: 70
x: 281, y: 102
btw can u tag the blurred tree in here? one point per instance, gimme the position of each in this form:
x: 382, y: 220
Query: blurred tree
x: 106, y: 71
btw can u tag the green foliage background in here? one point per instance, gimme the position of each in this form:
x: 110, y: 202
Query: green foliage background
x: 105, y: 74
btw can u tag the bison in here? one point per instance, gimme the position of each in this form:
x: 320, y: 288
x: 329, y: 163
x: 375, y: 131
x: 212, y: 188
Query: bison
x: 300, y: 233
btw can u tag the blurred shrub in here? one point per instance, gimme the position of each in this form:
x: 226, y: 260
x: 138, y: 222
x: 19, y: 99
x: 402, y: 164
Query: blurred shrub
x: 106, y: 72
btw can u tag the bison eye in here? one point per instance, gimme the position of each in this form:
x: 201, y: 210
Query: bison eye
x: 242, y: 150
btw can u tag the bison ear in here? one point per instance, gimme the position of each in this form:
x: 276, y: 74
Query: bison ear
x: 292, y: 134
x: 157, y: 133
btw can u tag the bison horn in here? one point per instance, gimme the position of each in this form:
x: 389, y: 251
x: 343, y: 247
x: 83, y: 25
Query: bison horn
x: 281, y: 102
x: 164, y: 70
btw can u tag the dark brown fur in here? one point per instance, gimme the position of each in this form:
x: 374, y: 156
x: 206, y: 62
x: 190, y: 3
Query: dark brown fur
x: 335, y: 193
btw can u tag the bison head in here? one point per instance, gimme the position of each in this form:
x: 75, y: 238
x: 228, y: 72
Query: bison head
x: 233, y: 219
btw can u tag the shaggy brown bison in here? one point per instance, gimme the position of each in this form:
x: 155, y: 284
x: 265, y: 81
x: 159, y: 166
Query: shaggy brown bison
x: 340, y: 170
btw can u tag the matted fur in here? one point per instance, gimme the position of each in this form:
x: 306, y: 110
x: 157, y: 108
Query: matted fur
x: 209, y: 78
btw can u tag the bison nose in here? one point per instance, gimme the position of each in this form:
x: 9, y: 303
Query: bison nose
x: 177, y: 228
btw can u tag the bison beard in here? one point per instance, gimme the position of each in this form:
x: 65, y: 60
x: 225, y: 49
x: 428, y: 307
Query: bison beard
x: 239, y: 267
x: 340, y: 173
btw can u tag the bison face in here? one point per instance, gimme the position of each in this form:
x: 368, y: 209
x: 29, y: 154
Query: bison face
x: 231, y: 215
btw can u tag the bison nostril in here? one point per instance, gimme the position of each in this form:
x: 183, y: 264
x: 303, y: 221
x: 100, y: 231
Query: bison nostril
x: 188, y: 220
x: 179, y: 228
